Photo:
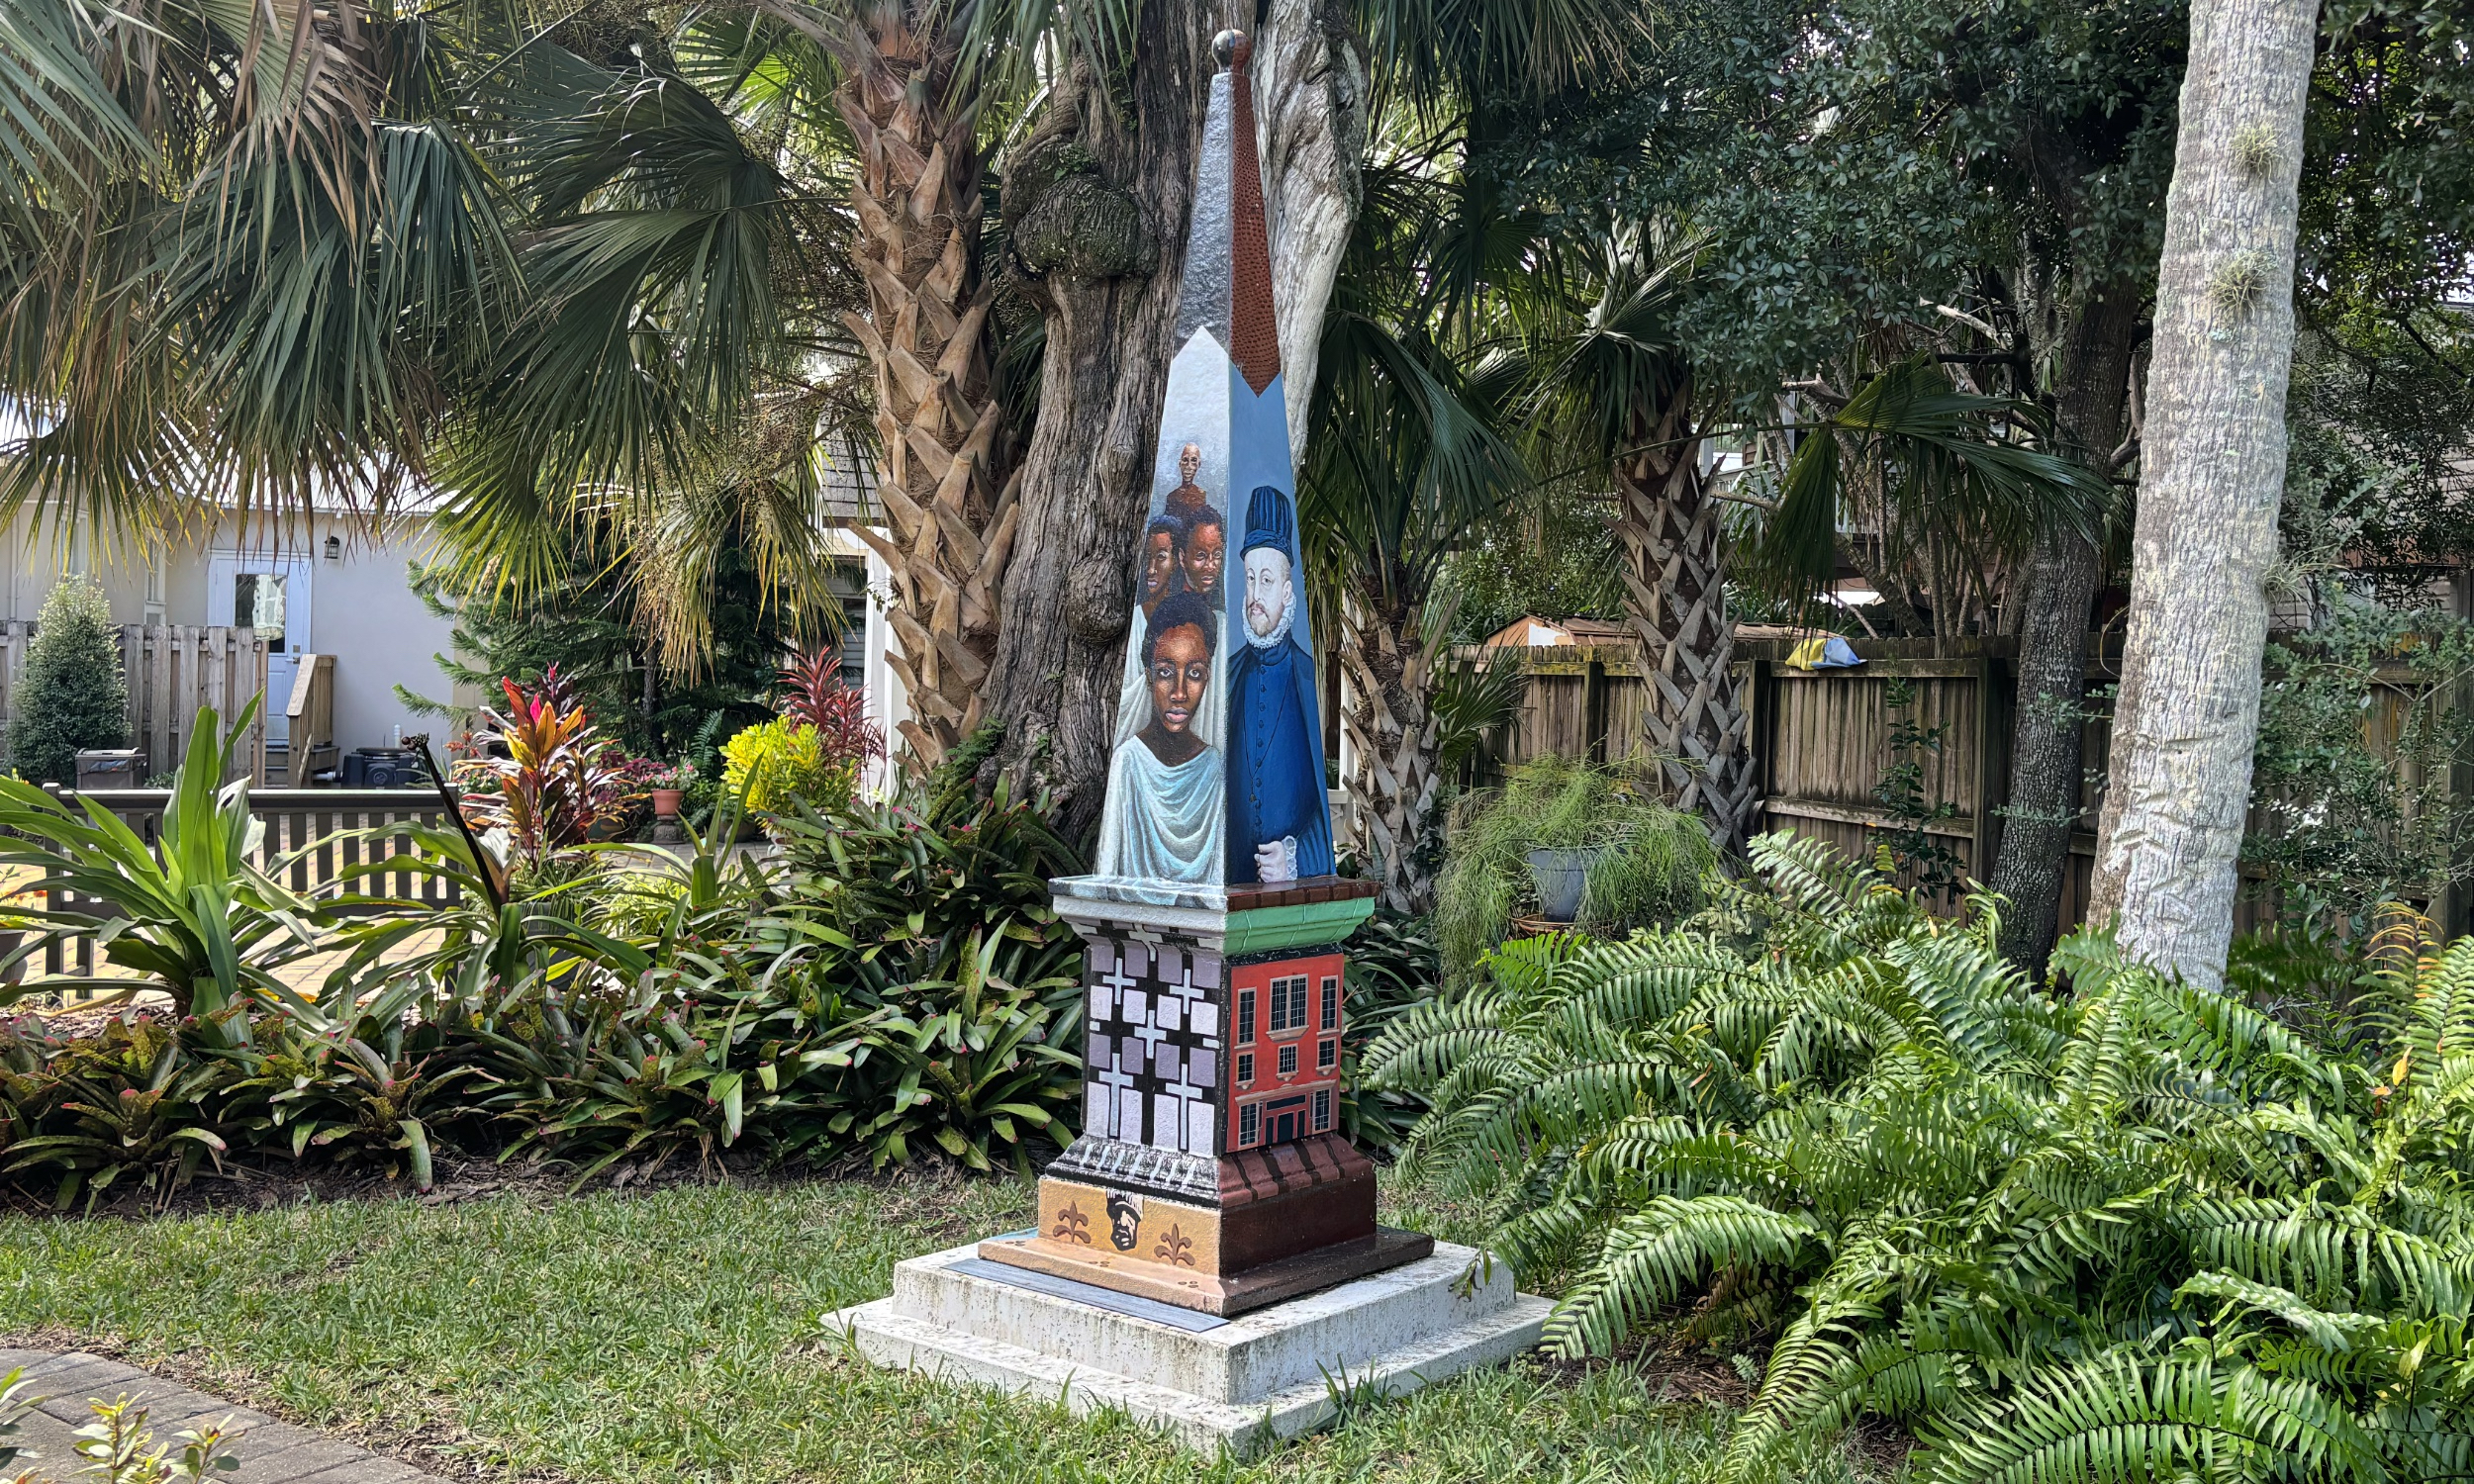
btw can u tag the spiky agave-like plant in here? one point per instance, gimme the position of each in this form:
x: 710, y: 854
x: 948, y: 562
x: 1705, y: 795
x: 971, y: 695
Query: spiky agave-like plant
x: 2139, y: 1230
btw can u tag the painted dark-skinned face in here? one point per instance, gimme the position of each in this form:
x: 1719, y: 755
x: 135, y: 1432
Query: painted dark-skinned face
x: 1159, y: 565
x: 1207, y: 550
x: 1181, y: 665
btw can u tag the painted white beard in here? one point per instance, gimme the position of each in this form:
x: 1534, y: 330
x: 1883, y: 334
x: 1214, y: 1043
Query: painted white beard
x: 1280, y: 630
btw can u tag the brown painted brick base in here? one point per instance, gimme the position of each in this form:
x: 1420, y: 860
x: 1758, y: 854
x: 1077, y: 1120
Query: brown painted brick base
x: 1305, y: 1209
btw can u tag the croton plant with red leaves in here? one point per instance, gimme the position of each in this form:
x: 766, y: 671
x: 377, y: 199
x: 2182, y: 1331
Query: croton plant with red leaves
x: 558, y: 777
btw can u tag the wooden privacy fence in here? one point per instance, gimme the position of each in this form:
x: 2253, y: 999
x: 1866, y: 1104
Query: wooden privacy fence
x: 294, y: 818
x: 173, y: 671
x: 1822, y: 740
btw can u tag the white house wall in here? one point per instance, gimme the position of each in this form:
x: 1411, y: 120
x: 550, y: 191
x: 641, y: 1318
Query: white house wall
x: 362, y: 608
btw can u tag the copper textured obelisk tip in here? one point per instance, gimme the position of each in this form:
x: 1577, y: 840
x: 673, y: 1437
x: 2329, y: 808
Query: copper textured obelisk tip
x: 1211, y: 1173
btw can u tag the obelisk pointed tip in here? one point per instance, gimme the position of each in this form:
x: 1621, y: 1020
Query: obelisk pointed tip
x: 1232, y: 47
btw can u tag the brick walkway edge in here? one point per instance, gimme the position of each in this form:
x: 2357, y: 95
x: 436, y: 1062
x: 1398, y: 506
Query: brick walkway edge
x: 269, y: 1451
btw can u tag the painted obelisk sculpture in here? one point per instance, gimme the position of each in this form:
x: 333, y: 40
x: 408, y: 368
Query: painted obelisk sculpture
x: 1210, y: 1173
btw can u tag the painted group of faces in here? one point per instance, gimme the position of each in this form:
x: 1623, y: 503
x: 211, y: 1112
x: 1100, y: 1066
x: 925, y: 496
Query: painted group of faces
x: 1171, y: 782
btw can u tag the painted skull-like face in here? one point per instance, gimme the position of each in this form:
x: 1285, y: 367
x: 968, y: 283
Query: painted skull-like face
x: 1189, y: 462
x: 1125, y: 1218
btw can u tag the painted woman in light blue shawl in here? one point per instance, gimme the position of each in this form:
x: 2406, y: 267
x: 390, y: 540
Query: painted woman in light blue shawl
x: 1166, y: 799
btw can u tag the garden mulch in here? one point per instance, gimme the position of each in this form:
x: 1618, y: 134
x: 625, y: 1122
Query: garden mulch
x: 267, y: 1451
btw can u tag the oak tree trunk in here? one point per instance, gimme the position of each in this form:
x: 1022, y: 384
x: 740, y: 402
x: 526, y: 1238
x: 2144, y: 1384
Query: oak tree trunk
x: 1674, y: 570
x: 2213, y: 471
x: 2091, y: 372
x: 1097, y: 204
x: 950, y: 514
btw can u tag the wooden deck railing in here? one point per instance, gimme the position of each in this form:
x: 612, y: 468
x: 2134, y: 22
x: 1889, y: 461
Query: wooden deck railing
x: 295, y: 818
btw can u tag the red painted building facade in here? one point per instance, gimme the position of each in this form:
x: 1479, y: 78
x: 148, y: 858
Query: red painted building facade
x: 1283, y: 1050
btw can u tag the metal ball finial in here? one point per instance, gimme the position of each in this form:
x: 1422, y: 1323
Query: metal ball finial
x: 1232, y: 47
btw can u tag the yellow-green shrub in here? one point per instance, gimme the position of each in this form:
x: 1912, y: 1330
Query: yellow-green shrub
x: 789, y: 764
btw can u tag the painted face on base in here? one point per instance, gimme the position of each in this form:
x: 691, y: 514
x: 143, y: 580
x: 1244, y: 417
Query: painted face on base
x: 1181, y: 665
x: 1268, y: 592
x: 1124, y: 1220
x: 1207, y: 550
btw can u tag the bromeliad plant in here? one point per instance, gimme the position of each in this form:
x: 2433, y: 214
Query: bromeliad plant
x: 941, y: 899
x: 133, y: 1106
x: 195, y: 915
x: 2140, y: 1232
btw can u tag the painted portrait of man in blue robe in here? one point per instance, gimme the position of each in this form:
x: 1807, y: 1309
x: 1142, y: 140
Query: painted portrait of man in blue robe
x: 1279, y: 814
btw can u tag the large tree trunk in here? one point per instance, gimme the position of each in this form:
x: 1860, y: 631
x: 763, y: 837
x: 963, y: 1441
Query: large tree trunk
x: 2213, y: 471
x: 1675, y: 572
x: 1387, y: 651
x: 2092, y: 368
x: 1310, y: 88
x: 949, y: 520
x: 1097, y: 204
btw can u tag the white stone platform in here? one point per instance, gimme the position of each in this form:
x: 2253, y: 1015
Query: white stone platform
x: 1245, y: 1382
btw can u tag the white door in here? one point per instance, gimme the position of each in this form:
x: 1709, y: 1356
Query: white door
x: 272, y: 594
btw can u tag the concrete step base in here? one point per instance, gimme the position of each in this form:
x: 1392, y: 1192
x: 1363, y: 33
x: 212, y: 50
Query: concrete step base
x: 1244, y: 1383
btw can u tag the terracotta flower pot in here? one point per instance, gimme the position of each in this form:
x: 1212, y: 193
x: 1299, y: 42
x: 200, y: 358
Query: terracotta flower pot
x: 666, y: 803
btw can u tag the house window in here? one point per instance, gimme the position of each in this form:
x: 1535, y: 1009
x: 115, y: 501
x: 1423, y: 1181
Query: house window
x: 1328, y: 1056
x: 848, y: 584
x: 1244, y: 1016
x: 1245, y: 1068
x: 1288, y: 1059
x: 1249, y: 1123
x: 1288, y: 1004
x: 1331, y: 1002
x: 257, y: 602
x: 1322, y: 1110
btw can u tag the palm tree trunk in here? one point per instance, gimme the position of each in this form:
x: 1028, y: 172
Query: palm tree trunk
x: 1388, y: 652
x: 2212, y: 471
x: 950, y: 513
x: 2092, y: 365
x: 1675, y: 572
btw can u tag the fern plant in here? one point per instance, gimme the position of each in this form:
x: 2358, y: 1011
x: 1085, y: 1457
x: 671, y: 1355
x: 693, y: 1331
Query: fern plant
x: 2141, y: 1231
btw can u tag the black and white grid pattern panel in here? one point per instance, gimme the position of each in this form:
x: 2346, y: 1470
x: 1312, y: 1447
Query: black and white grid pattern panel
x: 1152, y: 1051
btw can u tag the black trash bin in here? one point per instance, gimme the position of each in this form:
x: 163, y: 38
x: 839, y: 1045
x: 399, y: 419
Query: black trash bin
x: 111, y: 768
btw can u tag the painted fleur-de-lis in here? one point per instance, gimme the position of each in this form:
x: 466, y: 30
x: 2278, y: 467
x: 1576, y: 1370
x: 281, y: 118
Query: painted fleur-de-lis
x: 1176, y: 1248
x: 1073, y: 1224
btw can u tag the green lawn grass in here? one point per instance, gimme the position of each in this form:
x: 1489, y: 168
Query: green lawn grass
x: 673, y: 1335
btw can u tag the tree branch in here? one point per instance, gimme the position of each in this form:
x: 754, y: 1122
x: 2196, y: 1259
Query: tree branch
x: 1819, y: 391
